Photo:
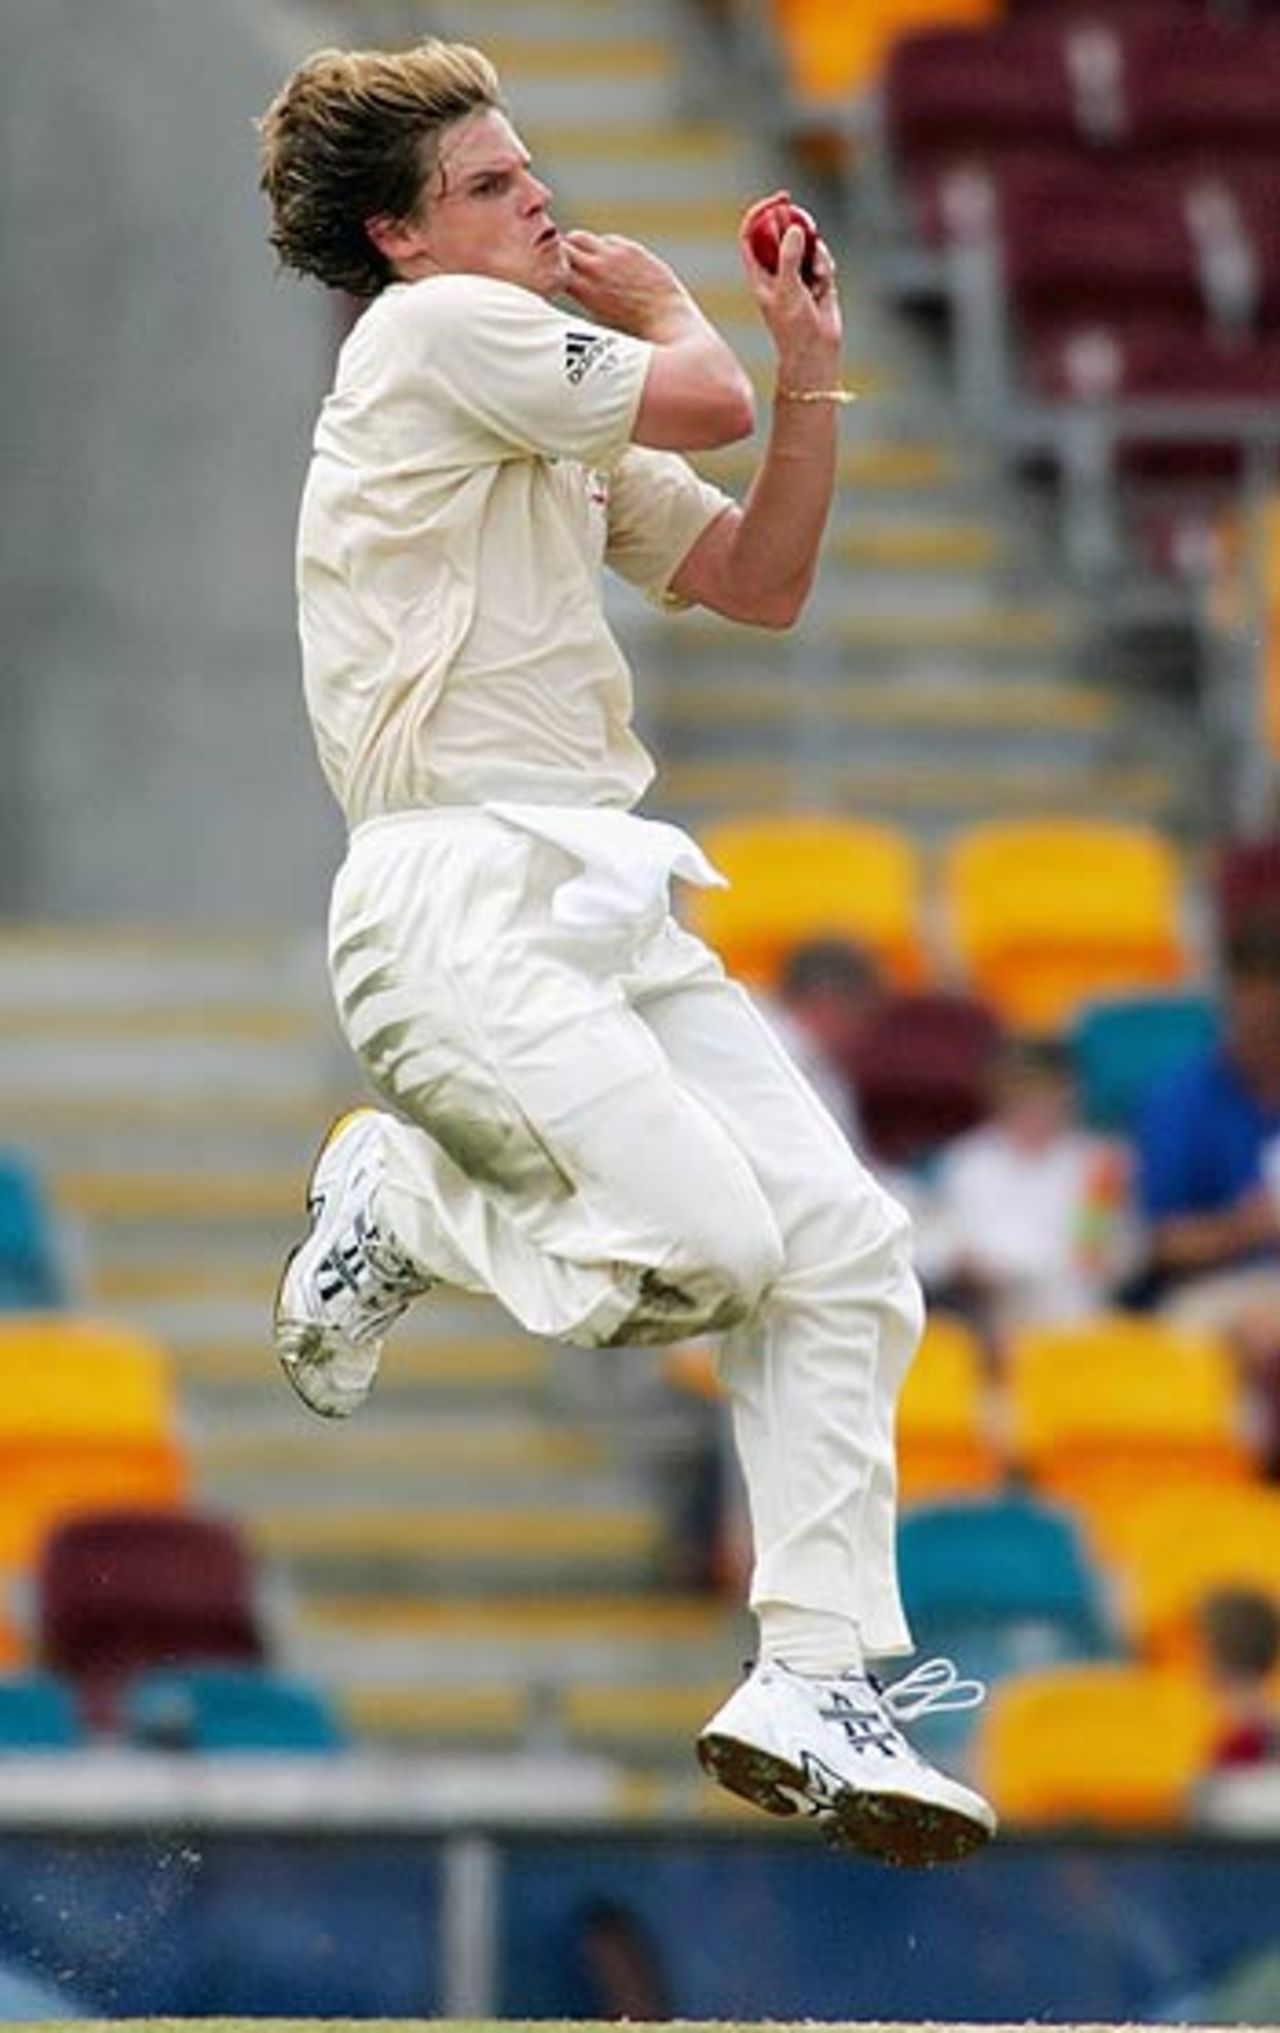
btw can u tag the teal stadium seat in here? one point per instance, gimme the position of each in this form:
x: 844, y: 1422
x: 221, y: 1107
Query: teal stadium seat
x: 30, y: 1267
x: 1002, y: 1585
x: 1123, y: 1045
x: 38, y: 1712
x: 216, y: 1708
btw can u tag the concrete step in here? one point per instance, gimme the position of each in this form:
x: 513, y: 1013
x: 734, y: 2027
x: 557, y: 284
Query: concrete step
x: 495, y: 1715
x: 459, y: 1546
x: 607, y: 164
x: 932, y: 800
x: 415, y: 1373
x: 136, y: 968
x: 282, y: 1448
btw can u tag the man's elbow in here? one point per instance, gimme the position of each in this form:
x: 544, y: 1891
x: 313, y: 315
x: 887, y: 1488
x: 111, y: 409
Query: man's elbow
x: 775, y: 607
x: 731, y: 414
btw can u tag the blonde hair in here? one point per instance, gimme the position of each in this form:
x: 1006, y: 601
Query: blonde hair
x: 352, y: 136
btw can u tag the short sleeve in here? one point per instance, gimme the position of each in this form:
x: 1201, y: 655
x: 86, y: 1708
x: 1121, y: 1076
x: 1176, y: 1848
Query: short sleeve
x: 658, y: 508
x: 533, y: 379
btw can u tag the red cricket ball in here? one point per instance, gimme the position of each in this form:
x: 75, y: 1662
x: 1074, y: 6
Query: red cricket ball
x: 765, y: 237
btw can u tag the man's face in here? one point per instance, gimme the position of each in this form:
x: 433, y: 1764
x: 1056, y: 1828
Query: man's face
x: 483, y: 212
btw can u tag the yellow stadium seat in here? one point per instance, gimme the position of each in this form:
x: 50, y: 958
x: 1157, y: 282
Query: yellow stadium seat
x: 70, y: 1378
x: 87, y: 1418
x: 1107, y: 1744
x: 1045, y: 915
x: 1179, y: 1545
x: 836, y: 52
x: 800, y: 876
x: 945, y: 1442
x: 1100, y: 1409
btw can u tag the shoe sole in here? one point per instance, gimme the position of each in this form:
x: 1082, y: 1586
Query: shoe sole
x: 300, y: 1345
x: 895, y: 1828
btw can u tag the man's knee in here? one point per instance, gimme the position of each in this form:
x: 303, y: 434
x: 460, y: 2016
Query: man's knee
x: 713, y: 1283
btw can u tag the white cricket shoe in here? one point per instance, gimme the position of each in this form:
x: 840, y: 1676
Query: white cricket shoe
x: 831, y: 1748
x: 348, y: 1282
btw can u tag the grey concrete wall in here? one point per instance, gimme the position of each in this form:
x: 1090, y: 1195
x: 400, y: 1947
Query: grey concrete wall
x: 158, y: 381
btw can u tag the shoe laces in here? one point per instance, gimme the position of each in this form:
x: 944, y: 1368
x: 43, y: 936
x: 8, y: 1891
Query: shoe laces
x: 929, y: 1689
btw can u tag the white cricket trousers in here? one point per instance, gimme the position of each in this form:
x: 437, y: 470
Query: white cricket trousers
x: 598, y: 1128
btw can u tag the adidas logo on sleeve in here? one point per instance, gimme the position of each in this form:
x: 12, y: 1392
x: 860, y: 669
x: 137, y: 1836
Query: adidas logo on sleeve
x: 586, y: 353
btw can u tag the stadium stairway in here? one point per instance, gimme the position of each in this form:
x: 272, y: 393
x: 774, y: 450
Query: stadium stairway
x: 941, y: 673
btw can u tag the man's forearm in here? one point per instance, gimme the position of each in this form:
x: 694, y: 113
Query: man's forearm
x: 774, y: 552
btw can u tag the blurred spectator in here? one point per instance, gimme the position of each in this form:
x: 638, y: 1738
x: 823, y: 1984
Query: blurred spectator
x: 31, y: 1269
x: 1209, y: 1175
x: 1239, y: 1632
x: 1031, y: 1218
x: 829, y: 991
x: 620, y: 1973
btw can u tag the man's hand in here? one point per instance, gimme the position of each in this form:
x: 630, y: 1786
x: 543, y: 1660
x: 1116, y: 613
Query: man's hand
x: 803, y: 318
x: 621, y: 283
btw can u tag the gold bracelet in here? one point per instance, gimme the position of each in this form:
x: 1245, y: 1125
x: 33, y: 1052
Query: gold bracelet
x: 816, y: 394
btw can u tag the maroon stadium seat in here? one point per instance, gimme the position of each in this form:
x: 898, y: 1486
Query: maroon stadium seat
x: 1247, y: 882
x: 1091, y: 250
x: 950, y: 95
x: 123, y: 1589
x: 921, y: 1074
x: 1203, y: 85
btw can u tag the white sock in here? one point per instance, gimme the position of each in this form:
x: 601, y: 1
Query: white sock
x: 809, y: 1640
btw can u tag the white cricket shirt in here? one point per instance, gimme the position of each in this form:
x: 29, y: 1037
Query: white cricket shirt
x: 472, y: 473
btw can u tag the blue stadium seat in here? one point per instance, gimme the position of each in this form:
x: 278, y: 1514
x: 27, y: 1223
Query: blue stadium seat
x: 1002, y: 1586
x: 38, y: 1712
x: 1121, y: 1047
x: 227, y: 1708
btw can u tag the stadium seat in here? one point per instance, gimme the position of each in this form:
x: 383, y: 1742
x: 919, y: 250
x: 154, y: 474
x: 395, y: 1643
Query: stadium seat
x: 1047, y: 914
x: 1203, y: 86
x: 834, y: 53
x: 228, y: 1708
x: 922, y: 1073
x: 1092, y: 249
x: 1102, y: 1743
x: 1121, y: 1047
x: 799, y: 877
x: 1247, y: 882
x: 1100, y: 1408
x: 1001, y: 1586
x: 37, y: 1713
x: 945, y: 1443
x: 30, y: 1269
x: 1179, y: 1544
x: 119, y: 1590
x: 952, y: 94
x: 87, y: 1417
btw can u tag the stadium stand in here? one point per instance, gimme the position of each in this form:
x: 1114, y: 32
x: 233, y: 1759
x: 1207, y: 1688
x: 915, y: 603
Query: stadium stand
x: 1044, y: 914
x: 947, y: 1438
x: 1006, y: 1585
x: 798, y: 877
x: 38, y: 1712
x: 87, y: 1415
x: 118, y: 1590
x: 225, y: 1708
x: 1122, y: 1046
x: 1181, y: 1544
x: 1101, y: 1407
x: 32, y: 1273
x: 921, y: 1072
x: 1102, y: 1743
